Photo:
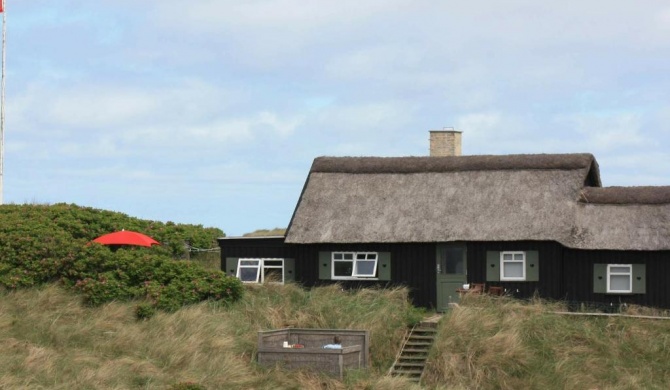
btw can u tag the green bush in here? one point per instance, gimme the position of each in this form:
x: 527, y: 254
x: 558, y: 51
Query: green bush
x: 42, y: 243
x: 144, y: 311
x: 106, y: 288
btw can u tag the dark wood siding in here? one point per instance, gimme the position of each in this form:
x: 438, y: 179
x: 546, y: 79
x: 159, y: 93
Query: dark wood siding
x: 260, y: 247
x: 565, y: 274
x: 578, y: 278
x: 412, y: 265
x: 550, y: 255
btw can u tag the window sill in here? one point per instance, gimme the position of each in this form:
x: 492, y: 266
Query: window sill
x: 352, y: 278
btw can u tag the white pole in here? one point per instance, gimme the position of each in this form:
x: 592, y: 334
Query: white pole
x: 2, y: 97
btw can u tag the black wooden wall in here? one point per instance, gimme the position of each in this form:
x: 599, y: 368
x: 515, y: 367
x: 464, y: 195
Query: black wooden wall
x: 578, y: 276
x: 412, y: 265
x: 551, y: 270
x: 565, y: 274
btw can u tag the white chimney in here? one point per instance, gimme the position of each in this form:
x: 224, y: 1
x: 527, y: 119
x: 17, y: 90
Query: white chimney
x: 445, y: 142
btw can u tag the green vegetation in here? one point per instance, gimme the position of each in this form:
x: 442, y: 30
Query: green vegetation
x: 41, y: 244
x: 500, y: 343
x: 266, y: 232
x: 49, y: 340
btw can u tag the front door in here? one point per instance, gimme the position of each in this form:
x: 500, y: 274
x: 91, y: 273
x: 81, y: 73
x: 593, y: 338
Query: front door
x: 451, y: 270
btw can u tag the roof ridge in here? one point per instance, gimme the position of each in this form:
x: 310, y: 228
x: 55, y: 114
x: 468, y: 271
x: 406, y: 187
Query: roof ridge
x: 620, y: 195
x: 452, y: 163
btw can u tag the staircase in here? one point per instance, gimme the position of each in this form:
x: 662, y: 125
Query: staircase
x: 411, y: 360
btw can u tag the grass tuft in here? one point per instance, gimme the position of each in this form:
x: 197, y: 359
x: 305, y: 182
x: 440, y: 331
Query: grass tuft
x: 50, y: 340
x: 501, y: 343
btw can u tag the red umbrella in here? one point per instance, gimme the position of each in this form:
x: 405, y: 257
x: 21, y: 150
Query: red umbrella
x: 126, y: 237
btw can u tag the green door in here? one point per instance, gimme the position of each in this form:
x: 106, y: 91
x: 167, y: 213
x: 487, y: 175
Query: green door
x: 451, y: 271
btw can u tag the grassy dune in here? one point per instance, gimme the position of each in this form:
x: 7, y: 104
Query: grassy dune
x: 50, y: 340
x: 493, y: 343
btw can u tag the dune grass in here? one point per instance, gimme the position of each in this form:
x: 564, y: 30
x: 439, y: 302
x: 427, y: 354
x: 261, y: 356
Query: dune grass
x: 50, y: 340
x: 500, y: 343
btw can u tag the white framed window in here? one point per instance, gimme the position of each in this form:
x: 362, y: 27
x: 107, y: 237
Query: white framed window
x: 619, y: 278
x: 512, y: 266
x: 260, y: 270
x: 354, y: 265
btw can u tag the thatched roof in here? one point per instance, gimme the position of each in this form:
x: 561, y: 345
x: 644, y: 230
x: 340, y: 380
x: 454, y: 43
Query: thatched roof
x: 456, y: 163
x: 621, y: 226
x: 626, y: 195
x: 465, y: 198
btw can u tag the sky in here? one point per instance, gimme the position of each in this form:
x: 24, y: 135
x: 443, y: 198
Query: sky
x: 211, y: 111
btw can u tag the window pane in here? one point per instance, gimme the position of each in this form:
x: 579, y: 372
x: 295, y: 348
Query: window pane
x: 372, y: 256
x: 513, y: 270
x: 273, y: 275
x: 620, y: 270
x: 343, y: 268
x: 337, y: 256
x: 455, y: 262
x: 249, y: 262
x: 273, y: 263
x: 365, y: 268
x: 249, y: 274
x: 507, y: 256
x: 360, y: 256
x: 620, y: 283
x: 348, y: 256
x: 518, y: 256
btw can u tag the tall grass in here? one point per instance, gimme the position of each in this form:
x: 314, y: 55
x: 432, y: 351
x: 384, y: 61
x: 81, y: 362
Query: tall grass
x: 499, y: 343
x: 49, y: 340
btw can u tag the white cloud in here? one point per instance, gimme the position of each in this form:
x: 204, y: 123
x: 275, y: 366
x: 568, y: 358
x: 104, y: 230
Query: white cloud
x: 608, y: 131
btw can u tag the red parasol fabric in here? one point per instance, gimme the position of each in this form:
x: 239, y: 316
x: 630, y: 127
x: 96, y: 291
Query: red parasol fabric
x: 126, y: 237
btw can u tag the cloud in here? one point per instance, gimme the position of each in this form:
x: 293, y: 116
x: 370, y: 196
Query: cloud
x: 608, y: 131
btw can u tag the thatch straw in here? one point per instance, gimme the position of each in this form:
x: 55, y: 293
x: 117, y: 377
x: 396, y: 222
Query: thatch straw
x: 476, y: 198
x: 626, y: 195
x: 453, y: 163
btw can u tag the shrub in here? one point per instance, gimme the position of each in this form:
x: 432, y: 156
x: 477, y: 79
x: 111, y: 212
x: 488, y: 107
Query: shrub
x: 144, y: 311
x: 42, y: 243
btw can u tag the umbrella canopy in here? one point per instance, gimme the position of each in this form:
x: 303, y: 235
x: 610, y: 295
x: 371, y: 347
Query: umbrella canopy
x: 126, y: 237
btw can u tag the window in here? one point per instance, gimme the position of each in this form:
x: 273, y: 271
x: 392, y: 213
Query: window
x: 354, y: 265
x: 619, y: 278
x: 260, y: 270
x: 512, y: 266
x: 338, y: 265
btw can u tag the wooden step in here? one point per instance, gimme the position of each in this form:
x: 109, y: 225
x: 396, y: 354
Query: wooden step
x: 399, y: 364
x: 408, y: 372
x: 422, y: 339
x: 411, y: 357
x: 411, y: 360
x: 414, y: 350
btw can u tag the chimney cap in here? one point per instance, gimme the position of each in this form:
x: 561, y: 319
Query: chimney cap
x: 445, y: 130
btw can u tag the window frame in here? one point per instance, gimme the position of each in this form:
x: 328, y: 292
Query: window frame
x: 355, y: 275
x: 608, y: 280
x: 261, y: 267
x: 503, y: 262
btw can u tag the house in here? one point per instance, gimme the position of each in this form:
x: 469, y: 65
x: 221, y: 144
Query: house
x: 526, y: 223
